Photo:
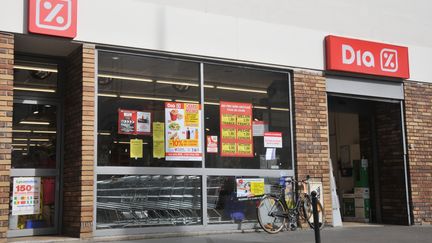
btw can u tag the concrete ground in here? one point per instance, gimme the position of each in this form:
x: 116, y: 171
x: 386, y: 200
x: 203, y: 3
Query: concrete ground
x: 350, y: 233
x: 347, y: 234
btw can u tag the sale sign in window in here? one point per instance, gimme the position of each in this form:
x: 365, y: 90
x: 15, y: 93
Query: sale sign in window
x: 26, y: 195
x: 236, y: 129
x: 183, y: 131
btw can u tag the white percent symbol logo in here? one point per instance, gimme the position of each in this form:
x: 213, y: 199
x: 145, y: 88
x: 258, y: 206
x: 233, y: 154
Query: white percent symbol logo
x: 389, y: 60
x: 54, y: 12
x: 57, y: 18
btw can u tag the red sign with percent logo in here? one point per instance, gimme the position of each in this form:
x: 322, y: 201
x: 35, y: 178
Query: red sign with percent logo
x: 366, y: 57
x: 53, y: 17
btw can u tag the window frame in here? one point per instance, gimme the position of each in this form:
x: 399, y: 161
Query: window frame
x: 198, y: 171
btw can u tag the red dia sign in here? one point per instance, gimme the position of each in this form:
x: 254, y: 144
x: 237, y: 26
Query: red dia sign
x: 53, y: 17
x: 366, y: 57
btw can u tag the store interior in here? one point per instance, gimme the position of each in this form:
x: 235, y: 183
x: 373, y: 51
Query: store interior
x: 366, y: 150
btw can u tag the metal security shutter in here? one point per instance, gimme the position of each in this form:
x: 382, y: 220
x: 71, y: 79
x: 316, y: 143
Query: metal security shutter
x: 365, y: 87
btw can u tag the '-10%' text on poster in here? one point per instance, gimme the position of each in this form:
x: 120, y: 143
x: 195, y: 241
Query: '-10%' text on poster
x: 183, y: 131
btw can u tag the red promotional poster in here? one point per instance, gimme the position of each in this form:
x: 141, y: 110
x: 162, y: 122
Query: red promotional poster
x: 134, y: 122
x: 236, y: 129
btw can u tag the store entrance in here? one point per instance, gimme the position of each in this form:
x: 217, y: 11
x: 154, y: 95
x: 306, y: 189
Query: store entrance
x: 367, y: 154
x: 34, y: 172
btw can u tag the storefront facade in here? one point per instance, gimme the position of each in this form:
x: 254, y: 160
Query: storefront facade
x: 154, y: 121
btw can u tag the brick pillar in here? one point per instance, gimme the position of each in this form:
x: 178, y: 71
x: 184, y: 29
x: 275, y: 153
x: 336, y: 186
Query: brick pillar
x: 418, y: 115
x: 79, y: 144
x: 6, y: 107
x: 311, y: 135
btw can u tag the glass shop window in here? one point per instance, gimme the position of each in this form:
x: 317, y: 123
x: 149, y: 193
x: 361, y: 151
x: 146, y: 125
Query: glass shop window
x: 148, y: 112
x: 247, y: 118
x: 35, y: 78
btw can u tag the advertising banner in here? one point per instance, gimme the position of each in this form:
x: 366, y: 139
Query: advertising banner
x: 26, y: 195
x: 236, y: 129
x: 250, y: 187
x: 183, y: 131
x: 134, y: 122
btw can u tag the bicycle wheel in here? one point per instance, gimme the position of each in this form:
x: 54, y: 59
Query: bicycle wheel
x: 308, y: 213
x: 270, y: 212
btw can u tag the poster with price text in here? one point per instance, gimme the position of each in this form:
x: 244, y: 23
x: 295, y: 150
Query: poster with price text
x: 183, y: 131
x: 236, y: 129
x: 26, y: 195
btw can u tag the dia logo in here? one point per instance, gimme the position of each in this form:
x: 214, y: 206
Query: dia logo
x: 349, y: 56
x: 53, y: 17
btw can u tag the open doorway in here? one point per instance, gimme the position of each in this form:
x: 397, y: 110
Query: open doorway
x: 367, y: 154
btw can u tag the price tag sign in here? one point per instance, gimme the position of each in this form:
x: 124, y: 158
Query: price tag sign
x: 245, y: 148
x: 228, y: 148
x: 229, y: 133
x: 243, y: 120
x: 244, y: 134
x: 228, y: 119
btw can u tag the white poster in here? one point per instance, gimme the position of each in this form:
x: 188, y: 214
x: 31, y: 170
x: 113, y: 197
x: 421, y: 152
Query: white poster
x: 273, y: 140
x: 26, y: 195
x: 183, y: 132
x: 143, y: 122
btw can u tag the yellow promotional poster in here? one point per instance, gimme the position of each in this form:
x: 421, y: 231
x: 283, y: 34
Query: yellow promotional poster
x: 158, y: 140
x: 250, y: 187
x: 136, y: 148
x: 257, y: 187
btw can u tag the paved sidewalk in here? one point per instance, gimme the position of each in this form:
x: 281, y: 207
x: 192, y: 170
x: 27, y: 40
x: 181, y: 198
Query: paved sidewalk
x: 350, y: 234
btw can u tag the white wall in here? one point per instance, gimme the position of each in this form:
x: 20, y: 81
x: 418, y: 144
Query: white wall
x: 283, y: 32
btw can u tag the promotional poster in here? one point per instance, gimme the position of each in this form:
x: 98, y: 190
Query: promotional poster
x: 183, y: 131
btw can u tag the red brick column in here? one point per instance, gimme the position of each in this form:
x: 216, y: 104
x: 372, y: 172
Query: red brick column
x: 6, y: 107
x: 418, y: 102
x: 79, y: 144
x: 311, y: 136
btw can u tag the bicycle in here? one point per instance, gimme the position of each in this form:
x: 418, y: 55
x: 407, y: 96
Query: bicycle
x: 273, y: 211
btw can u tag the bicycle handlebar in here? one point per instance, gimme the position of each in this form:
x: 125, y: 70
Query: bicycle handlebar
x: 301, y: 181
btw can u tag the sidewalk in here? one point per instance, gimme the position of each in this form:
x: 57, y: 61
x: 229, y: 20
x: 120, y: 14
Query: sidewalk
x: 347, y: 234
x: 350, y: 233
